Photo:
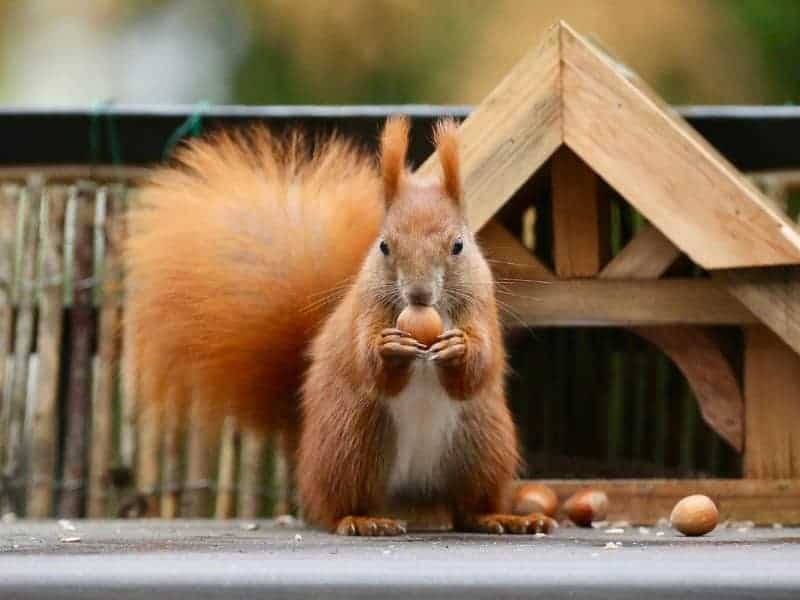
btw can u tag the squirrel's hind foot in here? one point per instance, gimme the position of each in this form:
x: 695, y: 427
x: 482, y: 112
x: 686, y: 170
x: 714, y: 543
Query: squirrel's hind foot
x: 513, y: 524
x: 370, y: 527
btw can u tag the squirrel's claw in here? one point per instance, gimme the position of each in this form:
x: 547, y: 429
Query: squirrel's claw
x: 450, y: 347
x: 395, y: 343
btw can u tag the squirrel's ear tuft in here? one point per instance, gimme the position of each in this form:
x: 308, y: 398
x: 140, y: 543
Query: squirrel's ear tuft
x: 445, y: 137
x: 394, y: 147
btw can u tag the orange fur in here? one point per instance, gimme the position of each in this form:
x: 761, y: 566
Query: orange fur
x: 445, y: 138
x: 394, y: 147
x: 234, y: 257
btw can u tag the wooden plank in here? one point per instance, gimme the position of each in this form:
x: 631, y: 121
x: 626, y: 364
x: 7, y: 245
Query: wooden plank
x: 580, y: 217
x: 772, y: 406
x: 622, y: 303
x: 108, y: 274
x: 24, y: 291
x: 79, y: 385
x: 511, y: 134
x: 644, y: 501
x: 226, y: 479
x: 646, y: 256
x: 771, y: 294
x: 251, y: 474
x: 664, y: 168
x: 42, y: 459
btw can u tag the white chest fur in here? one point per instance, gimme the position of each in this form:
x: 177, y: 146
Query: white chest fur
x: 425, y: 418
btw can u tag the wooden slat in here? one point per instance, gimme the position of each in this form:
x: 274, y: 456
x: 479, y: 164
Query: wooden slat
x: 609, y: 303
x: 511, y: 133
x: 128, y: 434
x: 197, y: 489
x: 644, y: 501
x: 24, y: 292
x: 171, y: 461
x: 664, y: 168
x: 283, y: 480
x: 772, y: 406
x: 226, y: 479
x: 580, y: 217
x: 646, y: 256
x: 79, y: 386
x: 149, y: 427
x: 107, y: 272
x: 71, y: 173
x: 44, y: 431
x: 771, y: 294
x: 251, y: 474
x: 8, y: 228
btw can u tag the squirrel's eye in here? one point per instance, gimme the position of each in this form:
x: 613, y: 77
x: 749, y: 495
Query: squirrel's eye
x: 458, y: 246
x: 384, y: 247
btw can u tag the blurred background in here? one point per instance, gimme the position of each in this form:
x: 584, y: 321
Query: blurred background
x: 378, y: 51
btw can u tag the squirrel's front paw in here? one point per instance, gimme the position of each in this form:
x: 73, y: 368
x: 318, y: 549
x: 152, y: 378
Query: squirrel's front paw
x: 395, y: 344
x: 449, y: 349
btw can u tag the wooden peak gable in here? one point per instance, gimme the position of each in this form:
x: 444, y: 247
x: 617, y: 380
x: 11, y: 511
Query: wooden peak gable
x: 569, y: 92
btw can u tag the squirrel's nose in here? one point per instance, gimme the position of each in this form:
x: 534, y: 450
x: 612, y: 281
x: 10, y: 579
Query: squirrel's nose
x: 419, y: 294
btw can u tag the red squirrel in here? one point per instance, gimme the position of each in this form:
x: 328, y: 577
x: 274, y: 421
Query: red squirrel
x: 260, y: 266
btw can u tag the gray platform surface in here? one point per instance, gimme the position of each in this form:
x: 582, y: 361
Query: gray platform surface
x: 207, y: 559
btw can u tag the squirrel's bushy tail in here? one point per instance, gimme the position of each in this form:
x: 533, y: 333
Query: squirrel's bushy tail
x: 234, y: 256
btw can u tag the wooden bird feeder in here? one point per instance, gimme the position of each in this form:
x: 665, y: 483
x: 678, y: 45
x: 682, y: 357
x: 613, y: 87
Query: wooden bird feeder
x: 569, y: 106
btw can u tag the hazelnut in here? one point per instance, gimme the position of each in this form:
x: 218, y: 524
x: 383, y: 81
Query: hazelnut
x: 423, y: 323
x: 586, y: 506
x: 534, y: 498
x: 694, y: 515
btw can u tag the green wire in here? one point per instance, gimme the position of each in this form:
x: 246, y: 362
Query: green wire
x: 100, y: 110
x: 191, y: 127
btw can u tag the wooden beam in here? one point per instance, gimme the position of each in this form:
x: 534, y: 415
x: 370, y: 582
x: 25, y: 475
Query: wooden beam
x: 773, y: 295
x: 694, y: 350
x: 622, y: 303
x: 508, y: 258
x: 644, y: 501
x: 580, y: 217
x: 511, y: 133
x: 646, y: 256
x: 772, y: 406
x: 696, y: 353
x: 664, y: 168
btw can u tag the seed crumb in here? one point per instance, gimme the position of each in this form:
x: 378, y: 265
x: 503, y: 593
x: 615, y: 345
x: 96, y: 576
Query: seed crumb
x: 66, y: 524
